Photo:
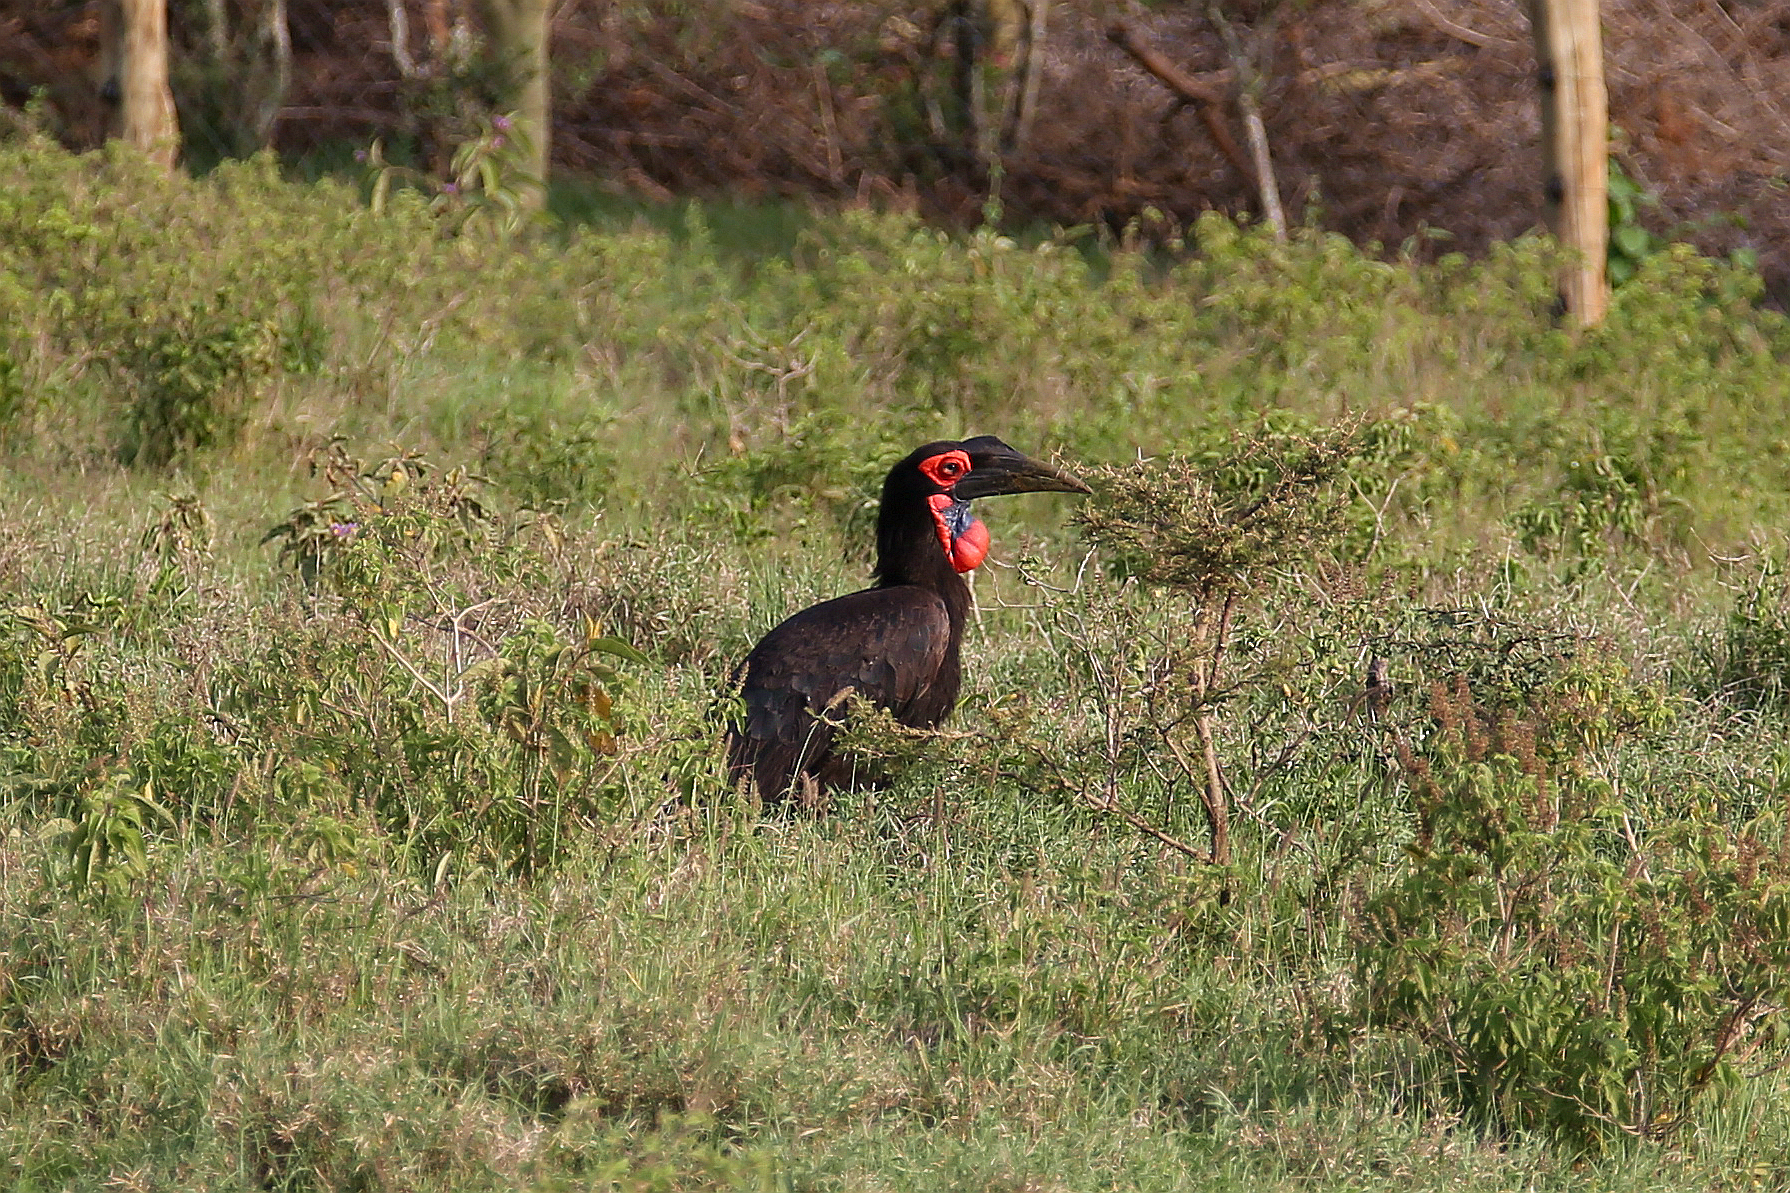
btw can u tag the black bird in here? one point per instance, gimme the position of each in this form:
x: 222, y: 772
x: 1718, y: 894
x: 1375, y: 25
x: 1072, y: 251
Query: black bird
x: 895, y: 644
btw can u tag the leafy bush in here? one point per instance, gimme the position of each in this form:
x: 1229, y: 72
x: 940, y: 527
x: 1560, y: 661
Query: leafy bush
x: 425, y: 577
x: 818, y: 471
x: 1603, y: 501
x: 1630, y: 241
x: 12, y: 391
x: 193, y: 382
x: 1584, y: 962
x: 489, y: 184
x: 547, y: 463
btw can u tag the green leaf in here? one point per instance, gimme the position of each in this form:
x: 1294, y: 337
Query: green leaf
x: 1633, y: 240
x: 146, y: 798
x: 486, y: 670
x: 561, y: 754
x: 618, y: 648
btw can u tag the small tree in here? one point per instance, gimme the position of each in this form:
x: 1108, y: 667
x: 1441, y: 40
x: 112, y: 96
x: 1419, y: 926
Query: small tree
x: 1211, y: 533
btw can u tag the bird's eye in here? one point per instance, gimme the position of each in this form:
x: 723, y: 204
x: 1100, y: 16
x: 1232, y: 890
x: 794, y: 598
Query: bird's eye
x: 945, y: 469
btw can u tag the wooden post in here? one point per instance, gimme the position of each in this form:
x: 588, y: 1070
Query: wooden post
x: 138, y: 33
x: 1574, y: 134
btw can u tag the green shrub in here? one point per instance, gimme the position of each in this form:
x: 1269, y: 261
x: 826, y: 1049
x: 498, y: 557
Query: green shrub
x: 819, y: 473
x: 545, y: 462
x: 1585, y: 963
x: 419, y: 582
x: 12, y: 392
x: 192, y: 381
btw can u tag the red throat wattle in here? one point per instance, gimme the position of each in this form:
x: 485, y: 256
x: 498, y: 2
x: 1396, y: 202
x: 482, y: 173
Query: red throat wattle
x: 968, y: 547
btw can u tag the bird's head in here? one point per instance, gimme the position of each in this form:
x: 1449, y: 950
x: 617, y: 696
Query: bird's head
x: 943, y: 478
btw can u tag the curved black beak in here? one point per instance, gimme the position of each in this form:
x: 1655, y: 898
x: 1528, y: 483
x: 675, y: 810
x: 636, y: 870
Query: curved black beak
x: 996, y: 469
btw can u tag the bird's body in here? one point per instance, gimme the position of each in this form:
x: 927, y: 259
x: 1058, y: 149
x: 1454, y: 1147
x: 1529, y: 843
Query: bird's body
x: 896, y: 644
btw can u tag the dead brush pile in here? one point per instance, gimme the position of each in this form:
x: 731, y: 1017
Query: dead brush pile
x: 1384, y: 121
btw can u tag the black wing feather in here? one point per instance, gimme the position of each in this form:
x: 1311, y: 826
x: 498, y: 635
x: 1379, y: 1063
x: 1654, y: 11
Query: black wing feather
x: 887, y: 645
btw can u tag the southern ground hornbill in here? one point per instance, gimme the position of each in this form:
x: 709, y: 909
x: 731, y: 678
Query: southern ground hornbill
x: 895, y: 644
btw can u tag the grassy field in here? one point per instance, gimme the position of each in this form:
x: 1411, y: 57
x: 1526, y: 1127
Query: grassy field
x: 372, y: 579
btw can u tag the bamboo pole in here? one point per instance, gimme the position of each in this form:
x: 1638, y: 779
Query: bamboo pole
x: 1575, y: 151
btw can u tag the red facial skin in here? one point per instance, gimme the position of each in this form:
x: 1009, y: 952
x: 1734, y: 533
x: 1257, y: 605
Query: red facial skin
x: 946, y: 468
x: 967, y: 549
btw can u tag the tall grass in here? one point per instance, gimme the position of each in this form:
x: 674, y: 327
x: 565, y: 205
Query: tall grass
x: 343, y: 846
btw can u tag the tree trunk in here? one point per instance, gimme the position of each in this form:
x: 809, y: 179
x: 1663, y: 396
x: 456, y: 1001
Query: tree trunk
x: 398, y: 19
x: 1207, y: 101
x: 966, y: 78
x: 1266, y: 186
x: 1031, y: 79
x: 1216, y: 796
x: 1574, y: 131
x: 1249, y: 86
x: 272, y: 54
x: 238, y: 75
x: 518, y: 32
x: 136, y: 37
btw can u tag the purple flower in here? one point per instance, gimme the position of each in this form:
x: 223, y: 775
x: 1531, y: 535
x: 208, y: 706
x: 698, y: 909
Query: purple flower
x: 360, y: 155
x: 501, y: 124
x: 344, y: 530
x: 497, y: 141
x: 448, y: 188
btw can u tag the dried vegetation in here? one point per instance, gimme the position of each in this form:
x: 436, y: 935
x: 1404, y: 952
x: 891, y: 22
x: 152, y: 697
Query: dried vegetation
x: 1386, y: 122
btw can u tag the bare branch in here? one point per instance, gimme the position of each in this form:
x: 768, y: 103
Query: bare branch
x: 1207, y: 100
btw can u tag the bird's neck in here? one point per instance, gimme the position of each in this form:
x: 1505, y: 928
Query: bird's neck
x: 909, y: 553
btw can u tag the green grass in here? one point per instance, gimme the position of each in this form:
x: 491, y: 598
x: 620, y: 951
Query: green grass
x: 276, y: 914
